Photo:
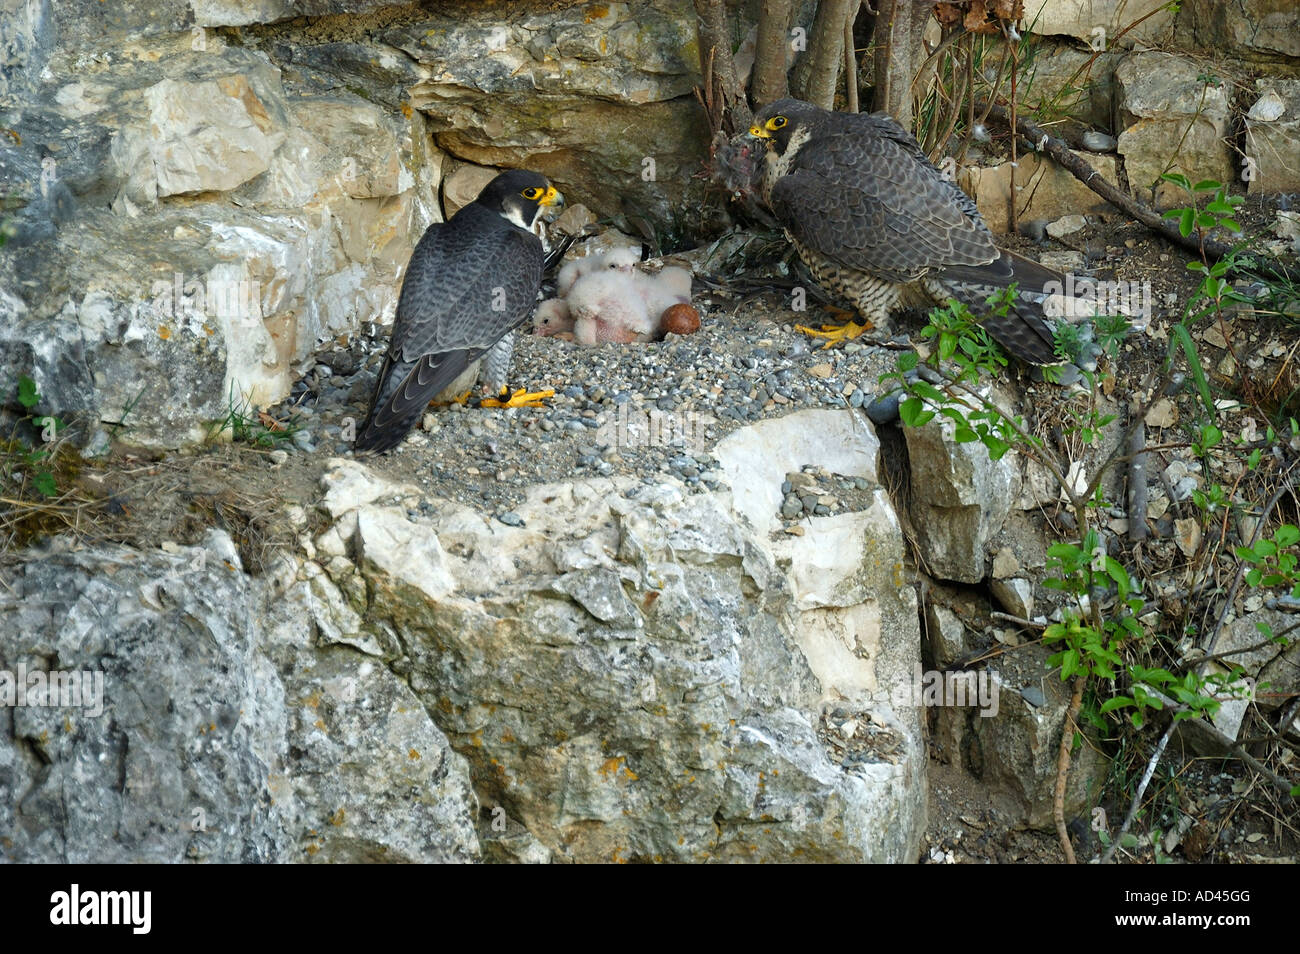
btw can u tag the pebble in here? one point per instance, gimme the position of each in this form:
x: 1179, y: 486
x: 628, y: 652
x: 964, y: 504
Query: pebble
x: 1095, y: 141
x: 1034, y: 696
x: 884, y: 410
x: 511, y: 519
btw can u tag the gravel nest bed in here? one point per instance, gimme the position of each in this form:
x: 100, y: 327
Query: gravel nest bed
x: 645, y: 410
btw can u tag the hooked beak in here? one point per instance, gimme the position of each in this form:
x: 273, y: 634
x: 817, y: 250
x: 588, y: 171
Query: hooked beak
x: 758, y: 132
x: 552, y: 197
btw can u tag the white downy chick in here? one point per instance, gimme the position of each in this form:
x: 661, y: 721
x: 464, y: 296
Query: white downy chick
x: 622, y: 258
x: 609, y: 306
x: 552, y: 318
x: 671, y: 286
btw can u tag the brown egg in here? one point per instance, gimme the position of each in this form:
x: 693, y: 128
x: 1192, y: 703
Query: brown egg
x: 680, y: 320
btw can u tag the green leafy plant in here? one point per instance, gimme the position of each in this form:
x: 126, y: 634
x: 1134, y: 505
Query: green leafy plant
x: 33, y: 459
x: 250, y: 426
x: 1108, y: 643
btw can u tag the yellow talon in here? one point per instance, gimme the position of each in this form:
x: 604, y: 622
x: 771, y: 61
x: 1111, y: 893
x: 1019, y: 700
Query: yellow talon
x: 521, y: 398
x: 836, y: 333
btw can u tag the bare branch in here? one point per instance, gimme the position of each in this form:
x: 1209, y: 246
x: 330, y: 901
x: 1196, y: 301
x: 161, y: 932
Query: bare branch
x: 825, y: 48
x: 726, y: 95
x: 770, y: 60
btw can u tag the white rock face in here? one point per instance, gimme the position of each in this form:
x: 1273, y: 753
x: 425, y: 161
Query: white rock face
x: 210, y: 136
x: 225, y: 732
x: 247, y: 226
x: 631, y: 663
x: 1044, y: 190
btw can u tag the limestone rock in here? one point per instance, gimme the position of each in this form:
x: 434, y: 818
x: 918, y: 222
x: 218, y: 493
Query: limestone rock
x: 462, y: 187
x: 245, y: 229
x: 959, y: 500
x: 1167, y: 103
x: 589, y: 95
x: 1015, y: 752
x: 219, y: 735
x: 1250, y: 28
x: 947, y: 634
x: 1066, y: 78
x: 659, y: 672
x: 209, y: 136
x: 1273, y: 144
x: 1016, y: 596
x: 1101, y: 21
x: 214, y: 13
x: 1044, y: 190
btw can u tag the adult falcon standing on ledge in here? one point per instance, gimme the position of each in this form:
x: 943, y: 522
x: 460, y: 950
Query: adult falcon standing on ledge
x: 469, y: 283
x: 880, y: 227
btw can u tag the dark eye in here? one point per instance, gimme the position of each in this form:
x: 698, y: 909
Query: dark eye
x: 776, y: 122
x: 532, y: 193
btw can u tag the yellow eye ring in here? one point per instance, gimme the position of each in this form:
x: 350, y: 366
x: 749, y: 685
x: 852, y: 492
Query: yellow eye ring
x: 776, y: 122
x: 532, y: 192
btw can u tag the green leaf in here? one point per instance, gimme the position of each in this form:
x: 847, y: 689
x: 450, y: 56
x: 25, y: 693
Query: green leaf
x: 43, y: 481
x: 1118, y: 702
x: 1116, y: 571
x: 1187, y: 222
x: 913, y: 413
x: 927, y: 391
x: 1178, y: 179
x: 27, y: 394
x: 1184, y: 340
x: 908, y: 360
x: 1287, y: 535
x: 997, y: 448
x: 1069, y: 664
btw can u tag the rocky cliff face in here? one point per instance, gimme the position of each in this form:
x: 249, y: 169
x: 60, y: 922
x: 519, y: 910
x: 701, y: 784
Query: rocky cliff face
x: 629, y: 673
x: 199, y: 194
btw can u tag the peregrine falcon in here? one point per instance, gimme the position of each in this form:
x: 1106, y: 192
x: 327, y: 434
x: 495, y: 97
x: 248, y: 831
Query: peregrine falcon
x: 469, y: 283
x: 880, y: 227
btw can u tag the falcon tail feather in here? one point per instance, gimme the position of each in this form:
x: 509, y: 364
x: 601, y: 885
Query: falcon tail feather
x: 1022, y: 331
x: 1030, y: 276
x: 403, y: 392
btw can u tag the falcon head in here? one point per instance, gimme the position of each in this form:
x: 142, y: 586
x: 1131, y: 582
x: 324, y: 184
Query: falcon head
x: 521, y: 198
x: 786, y: 124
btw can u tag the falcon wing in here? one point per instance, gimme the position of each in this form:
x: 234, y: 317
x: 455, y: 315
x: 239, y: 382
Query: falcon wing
x: 469, y: 283
x: 865, y: 196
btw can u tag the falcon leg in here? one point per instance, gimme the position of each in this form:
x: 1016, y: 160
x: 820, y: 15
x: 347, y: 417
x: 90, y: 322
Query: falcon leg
x: 458, y: 399
x: 496, y: 365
